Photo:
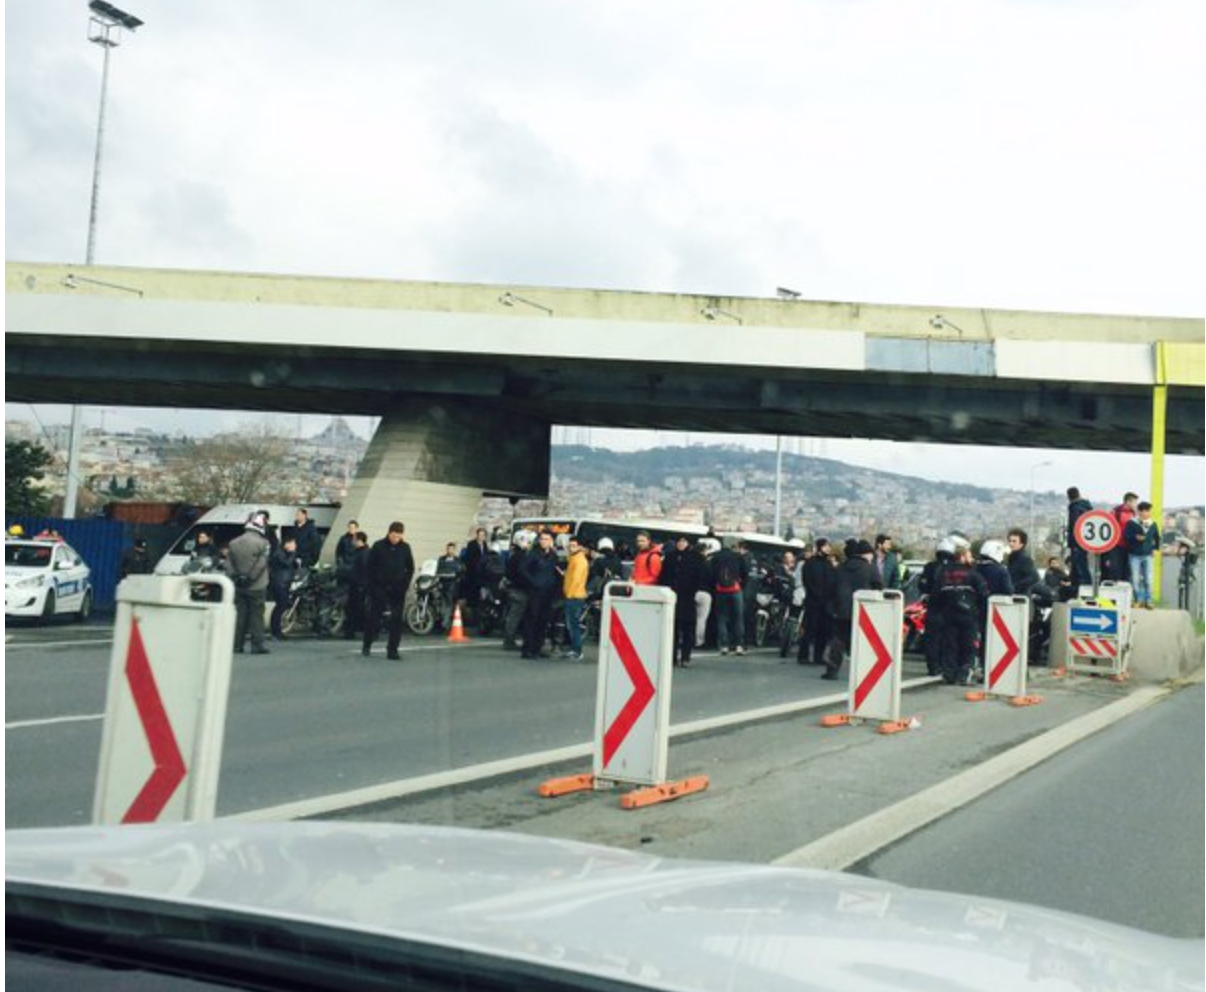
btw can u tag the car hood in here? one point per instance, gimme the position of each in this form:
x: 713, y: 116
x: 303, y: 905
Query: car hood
x: 625, y: 916
x: 16, y: 573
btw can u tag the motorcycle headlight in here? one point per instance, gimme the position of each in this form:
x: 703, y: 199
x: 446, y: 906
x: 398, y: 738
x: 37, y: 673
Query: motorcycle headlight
x: 33, y: 582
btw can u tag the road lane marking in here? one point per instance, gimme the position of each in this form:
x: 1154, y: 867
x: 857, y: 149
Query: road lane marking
x: 435, y: 781
x: 48, y: 721
x: 11, y: 645
x: 860, y: 840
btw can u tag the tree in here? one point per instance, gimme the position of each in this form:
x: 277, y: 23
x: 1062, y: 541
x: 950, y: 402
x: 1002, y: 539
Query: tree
x: 246, y: 466
x: 24, y: 462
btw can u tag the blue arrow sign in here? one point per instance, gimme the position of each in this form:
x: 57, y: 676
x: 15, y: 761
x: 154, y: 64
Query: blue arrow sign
x: 1085, y: 620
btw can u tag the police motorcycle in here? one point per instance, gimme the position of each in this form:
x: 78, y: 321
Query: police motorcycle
x: 1042, y: 605
x: 772, y: 598
x: 434, y: 598
x: 317, y: 602
x: 491, y: 607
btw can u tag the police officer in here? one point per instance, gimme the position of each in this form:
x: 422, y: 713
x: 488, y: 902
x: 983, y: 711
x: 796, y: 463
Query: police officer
x: 958, y: 593
x: 517, y: 593
x: 391, y: 566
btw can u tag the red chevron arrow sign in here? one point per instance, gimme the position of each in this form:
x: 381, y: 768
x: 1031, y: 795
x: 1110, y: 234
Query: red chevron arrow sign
x: 169, y: 769
x: 1010, y: 645
x: 883, y: 658
x: 642, y: 690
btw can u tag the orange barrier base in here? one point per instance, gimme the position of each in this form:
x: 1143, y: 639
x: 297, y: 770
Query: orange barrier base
x: 1058, y: 673
x: 1120, y: 677
x: 837, y: 720
x: 564, y: 786
x: 975, y: 697
x: 895, y: 726
x: 663, y: 793
x: 1025, y: 700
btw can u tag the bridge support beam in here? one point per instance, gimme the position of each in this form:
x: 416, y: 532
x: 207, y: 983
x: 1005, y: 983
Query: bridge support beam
x: 430, y: 463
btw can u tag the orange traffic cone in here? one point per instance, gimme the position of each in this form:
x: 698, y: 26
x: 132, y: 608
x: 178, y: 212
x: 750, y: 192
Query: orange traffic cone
x: 457, y: 635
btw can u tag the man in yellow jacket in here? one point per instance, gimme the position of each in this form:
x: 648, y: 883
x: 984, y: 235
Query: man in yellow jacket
x: 573, y: 588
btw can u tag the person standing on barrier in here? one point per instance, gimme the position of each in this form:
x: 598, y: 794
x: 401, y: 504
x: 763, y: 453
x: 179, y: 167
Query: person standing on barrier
x: 391, y: 566
x: 540, y: 575
x: 1117, y: 565
x: 517, y: 593
x: 1142, y: 542
x: 959, y: 592
x: 1078, y: 506
x: 730, y: 572
x: 573, y: 592
x: 818, y: 574
x: 685, y: 571
x: 247, y: 563
x: 854, y: 574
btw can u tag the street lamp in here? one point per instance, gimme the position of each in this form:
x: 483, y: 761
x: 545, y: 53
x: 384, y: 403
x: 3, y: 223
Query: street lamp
x: 1034, y: 468
x: 105, y: 23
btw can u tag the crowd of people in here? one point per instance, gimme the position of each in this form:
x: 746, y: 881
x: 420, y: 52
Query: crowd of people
x: 539, y: 585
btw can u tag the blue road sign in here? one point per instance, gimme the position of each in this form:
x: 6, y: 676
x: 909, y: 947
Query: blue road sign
x: 1093, y: 620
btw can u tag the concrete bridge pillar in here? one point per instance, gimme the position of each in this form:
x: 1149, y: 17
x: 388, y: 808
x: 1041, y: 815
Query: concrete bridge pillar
x: 431, y: 461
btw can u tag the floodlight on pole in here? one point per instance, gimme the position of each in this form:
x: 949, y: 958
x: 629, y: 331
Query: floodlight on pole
x: 105, y: 24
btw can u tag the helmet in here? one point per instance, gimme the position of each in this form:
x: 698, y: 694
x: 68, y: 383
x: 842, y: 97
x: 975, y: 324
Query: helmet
x: 946, y: 546
x: 960, y: 542
x: 524, y: 539
x: 606, y: 544
x: 16, y: 530
x: 709, y: 545
x: 497, y: 547
x: 993, y: 549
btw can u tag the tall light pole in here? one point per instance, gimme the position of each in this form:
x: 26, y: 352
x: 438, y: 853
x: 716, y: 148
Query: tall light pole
x: 1034, y: 468
x: 105, y: 23
x: 778, y: 481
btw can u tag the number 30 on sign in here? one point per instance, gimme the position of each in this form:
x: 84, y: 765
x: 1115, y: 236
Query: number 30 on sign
x: 1097, y: 532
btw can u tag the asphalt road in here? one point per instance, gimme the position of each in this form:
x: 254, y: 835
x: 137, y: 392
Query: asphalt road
x: 1113, y: 827
x: 314, y: 718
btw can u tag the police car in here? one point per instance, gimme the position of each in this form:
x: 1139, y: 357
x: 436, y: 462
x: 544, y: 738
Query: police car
x: 45, y: 579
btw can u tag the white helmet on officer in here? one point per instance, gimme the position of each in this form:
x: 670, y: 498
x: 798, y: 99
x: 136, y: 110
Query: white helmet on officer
x: 606, y: 544
x: 524, y: 538
x: 709, y: 546
x: 993, y: 549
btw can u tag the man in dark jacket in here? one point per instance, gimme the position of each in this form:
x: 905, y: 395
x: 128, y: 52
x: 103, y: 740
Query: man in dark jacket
x: 730, y: 574
x: 345, y: 551
x: 282, y: 569
x: 309, y: 544
x: 540, y: 577
x: 1022, y: 570
x: 517, y: 593
x: 1077, y: 507
x: 391, y: 566
x: 685, y: 571
x: 356, y: 585
x: 818, y: 574
x: 137, y: 560
x: 854, y: 574
x: 474, y: 560
x: 959, y: 591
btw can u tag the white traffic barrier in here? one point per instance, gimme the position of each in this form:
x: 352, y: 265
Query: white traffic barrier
x: 632, y: 705
x: 876, y: 658
x: 1094, y: 642
x: 165, y: 714
x: 632, y: 708
x: 1007, y: 646
x: 1122, y: 595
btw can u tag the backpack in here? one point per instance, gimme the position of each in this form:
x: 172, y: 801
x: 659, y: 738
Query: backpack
x: 728, y: 573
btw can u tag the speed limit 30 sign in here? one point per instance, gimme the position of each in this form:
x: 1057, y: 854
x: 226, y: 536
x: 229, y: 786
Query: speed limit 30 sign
x: 1097, y: 531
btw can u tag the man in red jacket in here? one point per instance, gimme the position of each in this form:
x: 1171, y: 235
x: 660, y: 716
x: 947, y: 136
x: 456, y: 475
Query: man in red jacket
x: 1117, y: 562
x: 647, y: 566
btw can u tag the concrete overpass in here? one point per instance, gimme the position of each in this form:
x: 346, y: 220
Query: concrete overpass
x: 468, y: 378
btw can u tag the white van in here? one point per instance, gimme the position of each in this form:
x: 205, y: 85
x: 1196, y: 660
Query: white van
x: 225, y: 523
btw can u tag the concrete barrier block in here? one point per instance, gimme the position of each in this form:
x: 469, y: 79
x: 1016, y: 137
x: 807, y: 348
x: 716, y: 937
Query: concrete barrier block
x: 1164, y: 644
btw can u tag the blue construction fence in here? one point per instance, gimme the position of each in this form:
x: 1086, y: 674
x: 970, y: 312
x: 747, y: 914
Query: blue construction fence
x: 101, y: 543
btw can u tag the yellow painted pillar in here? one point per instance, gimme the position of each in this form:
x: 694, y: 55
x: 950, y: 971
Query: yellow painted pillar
x: 1159, y: 413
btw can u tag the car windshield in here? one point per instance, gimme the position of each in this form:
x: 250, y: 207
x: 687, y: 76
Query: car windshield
x: 27, y: 555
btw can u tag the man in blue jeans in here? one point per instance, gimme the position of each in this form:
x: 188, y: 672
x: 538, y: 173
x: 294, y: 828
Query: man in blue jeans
x: 1142, y: 538
x: 730, y: 573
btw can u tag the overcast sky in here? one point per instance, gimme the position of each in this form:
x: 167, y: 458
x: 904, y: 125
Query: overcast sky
x: 1017, y: 153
